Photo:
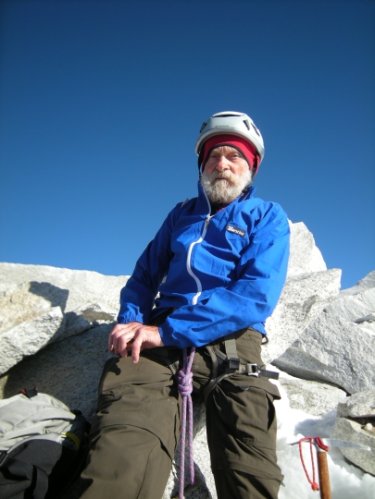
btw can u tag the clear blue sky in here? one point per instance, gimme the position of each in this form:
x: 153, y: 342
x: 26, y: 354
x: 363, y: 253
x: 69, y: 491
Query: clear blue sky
x: 101, y: 103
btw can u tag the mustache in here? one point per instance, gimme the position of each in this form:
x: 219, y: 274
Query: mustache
x: 225, y: 175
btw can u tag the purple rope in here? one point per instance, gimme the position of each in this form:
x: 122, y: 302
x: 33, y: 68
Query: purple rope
x: 185, y: 387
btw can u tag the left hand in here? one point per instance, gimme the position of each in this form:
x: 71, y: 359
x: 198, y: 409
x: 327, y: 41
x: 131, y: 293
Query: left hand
x: 134, y: 337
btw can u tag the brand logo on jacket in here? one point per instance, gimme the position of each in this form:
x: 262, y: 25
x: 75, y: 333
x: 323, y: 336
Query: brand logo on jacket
x: 235, y: 230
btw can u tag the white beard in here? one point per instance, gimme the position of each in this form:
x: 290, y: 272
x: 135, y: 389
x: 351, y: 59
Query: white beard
x: 224, y: 187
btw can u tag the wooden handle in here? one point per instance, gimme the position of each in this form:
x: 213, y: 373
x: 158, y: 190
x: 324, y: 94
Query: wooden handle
x: 324, y: 483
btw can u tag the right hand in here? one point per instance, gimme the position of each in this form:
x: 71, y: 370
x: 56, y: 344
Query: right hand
x: 133, y: 337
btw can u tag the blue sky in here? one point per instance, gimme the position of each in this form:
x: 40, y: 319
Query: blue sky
x: 101, y: 103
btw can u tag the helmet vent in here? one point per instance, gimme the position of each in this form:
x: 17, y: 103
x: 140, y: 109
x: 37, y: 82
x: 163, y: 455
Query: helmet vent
x: 226, y: 114
x: 256, y: 130
x: 247, y: 125
x: 203, y: 126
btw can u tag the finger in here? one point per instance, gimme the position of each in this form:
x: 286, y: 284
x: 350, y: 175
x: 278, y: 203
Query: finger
x: 121, y: 330
x: 113, y: 335
x: 136, y: 347
x: 123, y: 345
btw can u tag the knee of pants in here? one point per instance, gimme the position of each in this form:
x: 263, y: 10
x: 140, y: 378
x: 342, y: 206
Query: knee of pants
x: 243, y: 485
x: 140, y: 397
x: 126, y: 460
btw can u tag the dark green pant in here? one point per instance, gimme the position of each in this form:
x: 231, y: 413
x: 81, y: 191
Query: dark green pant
x: 135, y: 433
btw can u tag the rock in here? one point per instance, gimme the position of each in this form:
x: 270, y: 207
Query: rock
x: 311, y: 397
x: 305, y: 256
x: 18, y: 305
x: 302, y: 300
x: 42, y: 304
x: 355, y: 424
x: 359, y: 406
x: 368, y: 282
x: 309, y: 287
x: 71, y: 290
x: 69, y: 370
x: 28, y: 337
x: 337, y: 347
x: 352, y: 431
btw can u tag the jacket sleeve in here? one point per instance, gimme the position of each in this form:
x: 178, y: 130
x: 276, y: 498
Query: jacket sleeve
x: 248, y: 300
x: 138, y: 295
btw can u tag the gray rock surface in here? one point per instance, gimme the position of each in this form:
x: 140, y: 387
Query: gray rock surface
x: 337, y: 346
x: 41, y: 305
x: 312, y: 397
x: 361, y: 405
x: 355, y: 433
x: 355, y: 423
x: 302, y: 301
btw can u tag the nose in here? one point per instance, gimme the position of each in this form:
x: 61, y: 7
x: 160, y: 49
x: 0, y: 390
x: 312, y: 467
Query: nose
x: 221, y: 163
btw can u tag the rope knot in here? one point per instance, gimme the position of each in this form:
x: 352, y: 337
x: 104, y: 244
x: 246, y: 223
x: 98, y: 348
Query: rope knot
x: 185, y: 383
x: 315, y: 486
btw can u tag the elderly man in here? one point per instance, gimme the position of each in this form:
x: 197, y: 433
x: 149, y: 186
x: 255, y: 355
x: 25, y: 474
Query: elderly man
x: 202, y: 290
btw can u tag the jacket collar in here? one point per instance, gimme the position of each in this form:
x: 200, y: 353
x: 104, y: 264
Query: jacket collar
x: 204, y: 204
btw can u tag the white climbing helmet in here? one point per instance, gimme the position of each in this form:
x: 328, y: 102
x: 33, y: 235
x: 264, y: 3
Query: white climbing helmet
x: 233, y: 123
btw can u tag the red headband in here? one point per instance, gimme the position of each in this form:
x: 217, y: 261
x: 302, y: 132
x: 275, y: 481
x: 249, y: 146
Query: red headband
x: 246, y: 149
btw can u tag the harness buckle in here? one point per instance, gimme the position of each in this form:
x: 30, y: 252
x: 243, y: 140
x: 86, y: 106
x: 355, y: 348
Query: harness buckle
x: 252, y: 369
x: 233, y: 363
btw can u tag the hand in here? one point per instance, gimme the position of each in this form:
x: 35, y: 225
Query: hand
x: 134, y: 337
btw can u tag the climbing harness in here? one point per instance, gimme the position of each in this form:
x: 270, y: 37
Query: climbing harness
x: 235, y: 365
x: 224, y: 364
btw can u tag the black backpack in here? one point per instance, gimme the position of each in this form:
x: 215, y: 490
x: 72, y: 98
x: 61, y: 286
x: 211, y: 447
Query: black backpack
x: 42, y: 446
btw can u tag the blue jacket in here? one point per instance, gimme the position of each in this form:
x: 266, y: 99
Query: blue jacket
x: 215, y: 274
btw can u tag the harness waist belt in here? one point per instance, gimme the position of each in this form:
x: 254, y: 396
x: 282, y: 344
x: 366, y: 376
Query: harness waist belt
x: 255, y: 370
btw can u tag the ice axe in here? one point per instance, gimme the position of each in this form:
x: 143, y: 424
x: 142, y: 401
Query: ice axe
x: 322, y: 448
x: 324, y: 481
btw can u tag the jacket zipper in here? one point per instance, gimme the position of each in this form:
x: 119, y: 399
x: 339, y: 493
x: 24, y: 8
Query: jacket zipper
x: 188, y: 262
x: 195, y: 298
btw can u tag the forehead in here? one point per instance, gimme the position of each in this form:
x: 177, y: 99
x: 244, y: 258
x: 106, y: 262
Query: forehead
x: 224, y: 150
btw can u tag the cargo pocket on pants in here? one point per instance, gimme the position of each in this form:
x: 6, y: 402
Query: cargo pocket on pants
x: 241, y: 426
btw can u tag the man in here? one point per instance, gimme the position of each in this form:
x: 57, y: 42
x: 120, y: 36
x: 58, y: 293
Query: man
x: 207, y: 281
